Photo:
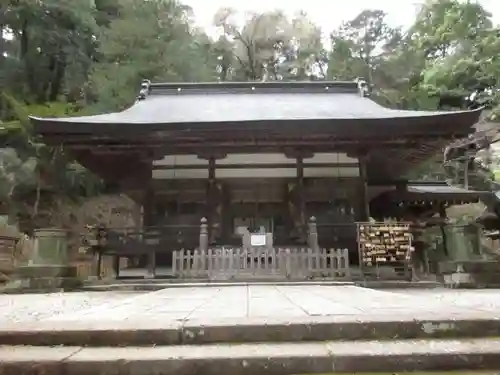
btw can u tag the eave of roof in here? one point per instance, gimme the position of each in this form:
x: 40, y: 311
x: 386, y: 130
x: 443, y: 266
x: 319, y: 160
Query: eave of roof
x: 422, y: 193
x: 441, y: 189
x: 256, y: 106
x: 439, y: 192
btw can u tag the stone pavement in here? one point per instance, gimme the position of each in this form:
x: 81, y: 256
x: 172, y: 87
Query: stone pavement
x: 22, y: 308
x: 267, y: 301
x: 239, y: 330
x: 211, y: 304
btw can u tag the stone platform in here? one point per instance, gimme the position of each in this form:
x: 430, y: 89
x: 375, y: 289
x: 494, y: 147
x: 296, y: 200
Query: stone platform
x: 255, y: 329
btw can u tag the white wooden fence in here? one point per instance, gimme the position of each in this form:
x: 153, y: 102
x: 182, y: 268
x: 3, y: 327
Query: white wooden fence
x: 291, y: 263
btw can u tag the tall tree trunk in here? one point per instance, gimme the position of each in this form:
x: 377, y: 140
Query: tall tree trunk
x: 3, y: 48
x: 29, y: 65
x: 57, y: 77
x: 38, y: 194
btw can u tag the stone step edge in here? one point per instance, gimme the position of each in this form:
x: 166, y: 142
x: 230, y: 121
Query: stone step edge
x: 153, y: 286
x: 188, y: 282
x: 179, y: 283
x: 259, y: 358
x: 160, y: 332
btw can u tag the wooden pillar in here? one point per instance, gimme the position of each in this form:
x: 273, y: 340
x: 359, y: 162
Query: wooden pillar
x: 148, y: 219
x: 301, y: 197
x: 226, y: 220
x: 363, y: 213
x: 211, y: 204
x: 214, y: 199
x: 116, y: 266
x: 442, y: 215
x: 101, y: 237
x: 97, y: 264
x: 211, y: 169
x: 148, y: 206
x: 288, y: 220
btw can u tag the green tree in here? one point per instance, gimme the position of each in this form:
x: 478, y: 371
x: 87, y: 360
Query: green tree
x: 63, y: 57
x: 49, y: 38
x: 153, y: 40
x: 34, y: 177
x: 269, y: 46
x: 358, y: 44
x: 460, y: 48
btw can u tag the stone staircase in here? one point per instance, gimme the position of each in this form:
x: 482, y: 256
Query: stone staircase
x: 326, y: 344
x: 387, y: 278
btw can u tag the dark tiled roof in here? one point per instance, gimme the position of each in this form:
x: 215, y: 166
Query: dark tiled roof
x: 441, y: 192
x: 416, y: 191
x: 250, y: 102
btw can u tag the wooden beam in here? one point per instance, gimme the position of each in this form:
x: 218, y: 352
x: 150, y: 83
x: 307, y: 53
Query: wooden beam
x: 258, y: 166
x: 232, y: 139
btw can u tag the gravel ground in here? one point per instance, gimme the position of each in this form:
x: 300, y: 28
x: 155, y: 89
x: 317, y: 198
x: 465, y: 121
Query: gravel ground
x: 36, y: 307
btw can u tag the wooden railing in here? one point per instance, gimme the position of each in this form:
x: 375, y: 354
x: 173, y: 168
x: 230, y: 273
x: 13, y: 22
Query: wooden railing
x: 85, y: 269
x: 290, y: 263
x: 130, y: 241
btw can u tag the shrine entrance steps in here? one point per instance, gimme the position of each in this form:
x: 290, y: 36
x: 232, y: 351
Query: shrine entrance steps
x: 159, y: 284
x: 148, y: 285
x: 142, y: 336
x: 136, y: 280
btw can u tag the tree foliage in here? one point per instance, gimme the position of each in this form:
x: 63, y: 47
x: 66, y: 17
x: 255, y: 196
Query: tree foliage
x: 63, y: 57
x: 269, y: 46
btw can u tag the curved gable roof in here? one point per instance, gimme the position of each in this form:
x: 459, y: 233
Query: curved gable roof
x: 251, y: 102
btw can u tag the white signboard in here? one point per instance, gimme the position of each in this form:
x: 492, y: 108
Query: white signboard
x: 258, y: 240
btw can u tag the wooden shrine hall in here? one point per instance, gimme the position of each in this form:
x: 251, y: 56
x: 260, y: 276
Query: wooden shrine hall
x: 264, y: 156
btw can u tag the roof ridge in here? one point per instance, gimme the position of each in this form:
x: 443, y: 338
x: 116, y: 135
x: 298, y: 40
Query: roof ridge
x: 145, y: 89
x: 357, y: 87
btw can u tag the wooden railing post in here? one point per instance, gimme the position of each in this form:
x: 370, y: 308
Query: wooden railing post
x: 313, y: 234
x: 174, y: 262
x: 96, y: 266
x: 204, y: 235
x: 347, y: 269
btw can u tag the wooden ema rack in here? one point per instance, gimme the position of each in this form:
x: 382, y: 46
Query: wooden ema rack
x: 384, y: 246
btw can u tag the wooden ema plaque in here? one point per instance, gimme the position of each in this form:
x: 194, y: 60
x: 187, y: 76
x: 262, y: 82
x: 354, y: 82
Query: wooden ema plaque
x: 384, y: 245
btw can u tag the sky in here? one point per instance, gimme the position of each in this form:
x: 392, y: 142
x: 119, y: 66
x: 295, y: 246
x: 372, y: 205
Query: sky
x: 328, y: 14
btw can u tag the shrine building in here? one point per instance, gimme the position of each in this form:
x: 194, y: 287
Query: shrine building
x: 265, y: 156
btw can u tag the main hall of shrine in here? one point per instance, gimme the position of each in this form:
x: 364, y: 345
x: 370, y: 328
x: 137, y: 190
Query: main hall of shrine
x: 266, y: 156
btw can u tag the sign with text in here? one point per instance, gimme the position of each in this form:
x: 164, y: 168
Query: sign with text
x: 258, y: 240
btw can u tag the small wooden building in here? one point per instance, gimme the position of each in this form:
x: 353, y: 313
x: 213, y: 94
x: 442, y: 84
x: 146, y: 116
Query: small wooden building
x: 263, y: 156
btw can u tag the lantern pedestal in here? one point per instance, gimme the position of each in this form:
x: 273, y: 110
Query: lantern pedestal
x: 48, y: 269
x: 471, y: 274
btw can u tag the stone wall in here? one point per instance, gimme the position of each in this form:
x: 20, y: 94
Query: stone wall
x: 114, y: 211
x: 111, y: 210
